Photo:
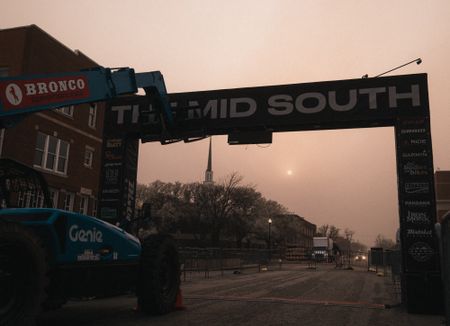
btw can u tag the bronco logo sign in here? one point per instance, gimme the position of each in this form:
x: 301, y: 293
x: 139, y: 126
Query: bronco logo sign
x: 33, y: 92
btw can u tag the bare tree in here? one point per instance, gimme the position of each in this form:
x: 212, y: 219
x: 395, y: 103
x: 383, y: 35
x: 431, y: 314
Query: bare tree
x: 349, y: 235
x: 322, y: 231
x: 327, y: 230
x: 270, y: 209
x: 349, y: 238
x: 210, y: 211
x: 244, y: 213
x: 333, y: 232
x: 382, y: 242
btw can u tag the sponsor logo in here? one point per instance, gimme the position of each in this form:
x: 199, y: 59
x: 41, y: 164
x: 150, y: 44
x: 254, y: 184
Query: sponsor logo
x: 108, y: 212
x: 415, y: 169
x: 417, y: 203
x: 415, y: 142
x: 421, y: 252
x: 109, y: 155
x: 111, y: 176
x: 77, y: 234
x: 110, y: 200
x: 14, y: 94
x: 413, y: 131
x: 31, y: 93
x: 419, y: 233
x: 417, y: 217
x: 417, y: 188
x: 47, y: 87
x: 111, y: 191
x: 88, y: 255
x: 113, y: 143
x: 415, y: 154
x: 418, y: 141
x: 112, y: 165
x: 414, y: 122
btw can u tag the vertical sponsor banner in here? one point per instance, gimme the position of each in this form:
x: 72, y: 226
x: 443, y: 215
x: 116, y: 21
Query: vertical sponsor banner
x: 420, y: 254
x: 416, y: 194
x: 119, y: 172
x: 111, y: 179
x: 129, y: 178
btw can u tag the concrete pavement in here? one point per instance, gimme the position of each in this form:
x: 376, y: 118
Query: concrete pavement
x: 294, y: 295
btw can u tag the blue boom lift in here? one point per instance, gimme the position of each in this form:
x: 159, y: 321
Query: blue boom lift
x: 49, y: 255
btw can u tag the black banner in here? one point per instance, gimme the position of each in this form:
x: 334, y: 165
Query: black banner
x: 416, y: 194
x: 118, y: 174
x: 355, y: 103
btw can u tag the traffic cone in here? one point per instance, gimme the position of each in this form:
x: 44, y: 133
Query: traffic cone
x: 179, y: 301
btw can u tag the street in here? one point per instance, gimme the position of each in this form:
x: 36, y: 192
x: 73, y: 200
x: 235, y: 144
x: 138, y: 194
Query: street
x: 292, y: 295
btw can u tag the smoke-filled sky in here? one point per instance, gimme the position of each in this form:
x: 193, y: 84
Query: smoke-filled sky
x: 345, y: 177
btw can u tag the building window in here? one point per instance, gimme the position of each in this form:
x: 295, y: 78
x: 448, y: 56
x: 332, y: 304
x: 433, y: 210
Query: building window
x: 94, y: 207
x: 84, y: 201
x: 51, y: 153
x: 88, y: 157
x: 68, y: 201
x: 66, y: 110
x: 30, y: 199
x: 54, y: 196
x: 2, y: 136
x: 4, y: 72
x: 92, y: 115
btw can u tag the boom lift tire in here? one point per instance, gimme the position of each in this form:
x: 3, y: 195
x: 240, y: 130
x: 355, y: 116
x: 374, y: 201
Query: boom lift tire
x: 23, y: 275
x: 159, y: 275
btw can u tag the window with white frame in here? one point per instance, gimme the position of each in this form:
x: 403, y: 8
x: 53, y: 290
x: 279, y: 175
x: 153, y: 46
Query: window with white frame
x: 92, y: 120
x: 51, y: 153
x: 30, y: 199
x: 94, y: 207
x: 54, y: 196
x: 88, y: 157
x: 69, y: 201
x: 84, y: 201
x: 66, y: 110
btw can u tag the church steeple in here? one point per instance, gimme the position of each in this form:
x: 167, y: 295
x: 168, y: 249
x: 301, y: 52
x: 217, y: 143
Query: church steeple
x: 209, y: 172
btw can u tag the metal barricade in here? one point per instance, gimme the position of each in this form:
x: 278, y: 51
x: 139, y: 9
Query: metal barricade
x: 219, y: 260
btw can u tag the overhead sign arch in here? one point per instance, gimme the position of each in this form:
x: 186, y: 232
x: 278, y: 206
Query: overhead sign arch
x: 397, y: 101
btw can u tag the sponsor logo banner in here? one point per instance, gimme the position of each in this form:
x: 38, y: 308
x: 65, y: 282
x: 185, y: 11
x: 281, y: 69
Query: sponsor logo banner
x: 22, y: 94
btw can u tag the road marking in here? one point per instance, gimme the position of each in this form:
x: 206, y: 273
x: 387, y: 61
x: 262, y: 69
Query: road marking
x: 299, y: 301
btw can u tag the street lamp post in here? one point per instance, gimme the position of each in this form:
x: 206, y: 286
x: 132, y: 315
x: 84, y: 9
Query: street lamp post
x: 270, y: 224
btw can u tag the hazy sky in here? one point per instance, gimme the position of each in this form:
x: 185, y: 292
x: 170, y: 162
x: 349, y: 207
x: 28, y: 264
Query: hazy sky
x: 346, y: 178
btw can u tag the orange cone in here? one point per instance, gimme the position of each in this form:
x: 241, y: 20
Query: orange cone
x: 179, y: 301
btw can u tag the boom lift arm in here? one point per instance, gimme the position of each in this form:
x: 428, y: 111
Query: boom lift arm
x: 23, y: 95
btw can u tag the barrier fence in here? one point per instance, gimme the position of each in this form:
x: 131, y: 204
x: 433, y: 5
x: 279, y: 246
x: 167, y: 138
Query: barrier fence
x: 388, y: 263
x: 206, y: 260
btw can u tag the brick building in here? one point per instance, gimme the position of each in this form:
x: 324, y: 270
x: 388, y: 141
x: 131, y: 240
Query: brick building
x: 298, y: 234
x: 442, y: 184
x: 64, y: 144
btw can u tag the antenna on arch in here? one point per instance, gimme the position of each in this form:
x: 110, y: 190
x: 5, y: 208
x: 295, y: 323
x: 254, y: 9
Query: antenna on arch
x: 418, y: 61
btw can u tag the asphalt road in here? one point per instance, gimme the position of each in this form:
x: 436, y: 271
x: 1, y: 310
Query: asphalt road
x: 294, y: 295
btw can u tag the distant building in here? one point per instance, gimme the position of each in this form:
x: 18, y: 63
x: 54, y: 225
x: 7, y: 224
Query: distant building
x: 299, y: 243
x: 442, y: 184
x: 209, y: 173
x: 64, y: 144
